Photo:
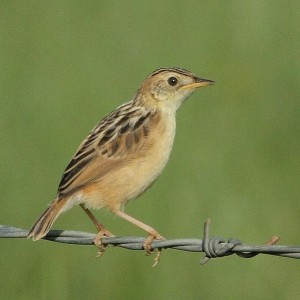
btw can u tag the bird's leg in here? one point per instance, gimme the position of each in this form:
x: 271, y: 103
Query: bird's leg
x: 99, y: 226
x: 102, y: 231
x: 153, y: 234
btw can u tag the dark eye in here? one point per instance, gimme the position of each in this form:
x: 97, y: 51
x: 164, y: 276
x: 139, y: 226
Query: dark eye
x: 172, y: 81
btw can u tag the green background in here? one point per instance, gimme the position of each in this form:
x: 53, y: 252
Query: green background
x: 65, y: 64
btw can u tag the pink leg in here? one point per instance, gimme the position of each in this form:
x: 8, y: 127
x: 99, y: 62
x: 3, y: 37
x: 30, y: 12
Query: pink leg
x: 102, y: 232
x: 153, y: 234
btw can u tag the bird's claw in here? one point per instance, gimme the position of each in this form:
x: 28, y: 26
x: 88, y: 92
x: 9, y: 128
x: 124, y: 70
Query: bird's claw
x: 98, y: 241
x: 148, y: 247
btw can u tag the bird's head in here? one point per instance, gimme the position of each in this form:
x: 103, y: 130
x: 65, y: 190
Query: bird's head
x: 167, y: 88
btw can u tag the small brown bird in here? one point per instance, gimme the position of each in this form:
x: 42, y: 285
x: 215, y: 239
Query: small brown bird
x: 124, y: 154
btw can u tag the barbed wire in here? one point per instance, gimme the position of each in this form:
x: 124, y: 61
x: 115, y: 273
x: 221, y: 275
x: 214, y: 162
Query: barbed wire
x: 212, y: 247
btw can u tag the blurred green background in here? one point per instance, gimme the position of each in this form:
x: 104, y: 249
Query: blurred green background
x: 65, y: 64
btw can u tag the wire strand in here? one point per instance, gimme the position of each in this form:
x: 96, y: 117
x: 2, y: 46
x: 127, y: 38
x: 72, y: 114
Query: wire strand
x: 212, y: 247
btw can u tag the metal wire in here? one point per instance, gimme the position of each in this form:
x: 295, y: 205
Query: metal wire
x: 212, y: 247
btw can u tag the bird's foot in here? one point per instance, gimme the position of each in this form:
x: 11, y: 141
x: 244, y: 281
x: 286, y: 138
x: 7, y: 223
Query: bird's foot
x: 148, y: 246
x: 98, y: 241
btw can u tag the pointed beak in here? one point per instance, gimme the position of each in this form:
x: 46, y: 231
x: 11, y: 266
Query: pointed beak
x: 199, y: 82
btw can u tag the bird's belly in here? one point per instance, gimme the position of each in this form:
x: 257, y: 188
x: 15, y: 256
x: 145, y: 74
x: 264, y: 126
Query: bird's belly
x: 116, y: 188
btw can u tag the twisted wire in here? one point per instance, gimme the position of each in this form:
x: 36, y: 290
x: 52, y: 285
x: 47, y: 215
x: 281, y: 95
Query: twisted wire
x: 212, y: 247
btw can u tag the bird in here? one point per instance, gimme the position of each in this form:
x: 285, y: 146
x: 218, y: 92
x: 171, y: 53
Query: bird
x: 124, y: 154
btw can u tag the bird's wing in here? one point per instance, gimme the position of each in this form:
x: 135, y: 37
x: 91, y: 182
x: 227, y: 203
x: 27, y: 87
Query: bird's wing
x: 117, y: 137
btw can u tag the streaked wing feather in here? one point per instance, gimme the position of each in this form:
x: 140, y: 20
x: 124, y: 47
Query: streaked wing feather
x: 122, y: 133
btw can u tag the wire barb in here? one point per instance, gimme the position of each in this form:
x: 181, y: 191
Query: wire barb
x: 212, y: 247
x: 216, y: 247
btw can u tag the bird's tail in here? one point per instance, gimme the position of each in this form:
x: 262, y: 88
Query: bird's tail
x: 45, y: 222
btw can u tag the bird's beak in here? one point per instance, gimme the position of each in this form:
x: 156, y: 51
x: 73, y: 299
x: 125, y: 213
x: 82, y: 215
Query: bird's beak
x: 199, y: 83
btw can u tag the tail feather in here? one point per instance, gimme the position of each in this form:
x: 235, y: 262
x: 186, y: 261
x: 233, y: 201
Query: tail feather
x: 45, y: 222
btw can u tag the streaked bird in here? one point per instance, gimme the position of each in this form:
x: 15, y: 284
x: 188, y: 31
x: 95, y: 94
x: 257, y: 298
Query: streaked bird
x: 124, y: 154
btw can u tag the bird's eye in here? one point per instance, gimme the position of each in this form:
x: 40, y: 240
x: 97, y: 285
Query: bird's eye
x: 172, y: 81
